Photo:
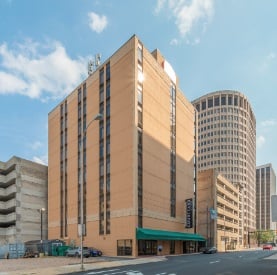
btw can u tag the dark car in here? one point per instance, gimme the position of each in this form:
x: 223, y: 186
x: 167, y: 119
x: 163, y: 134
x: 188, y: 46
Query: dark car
x: 29, y: 253
x: 210, y: 250
x: 94, y: 252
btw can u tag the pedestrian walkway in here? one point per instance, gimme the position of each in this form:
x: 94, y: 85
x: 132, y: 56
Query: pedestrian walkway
x: 69, y: 268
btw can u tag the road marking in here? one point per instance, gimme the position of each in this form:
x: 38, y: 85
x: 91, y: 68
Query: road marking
x: 99, y: 272
x: 214, y: 262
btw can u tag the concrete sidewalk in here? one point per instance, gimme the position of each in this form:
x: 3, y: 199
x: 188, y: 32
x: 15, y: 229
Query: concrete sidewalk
x: 34, y: 268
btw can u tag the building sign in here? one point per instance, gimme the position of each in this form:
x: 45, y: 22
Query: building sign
x: 189, y: 213
x: 213, y: 213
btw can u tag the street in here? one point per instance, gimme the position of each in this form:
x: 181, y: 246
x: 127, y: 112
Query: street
x: 232, y: 263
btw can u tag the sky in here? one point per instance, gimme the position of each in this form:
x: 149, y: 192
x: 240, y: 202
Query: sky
x: 211, y: 44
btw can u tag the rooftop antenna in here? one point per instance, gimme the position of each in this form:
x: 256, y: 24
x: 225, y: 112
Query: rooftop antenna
x: 94, y: 63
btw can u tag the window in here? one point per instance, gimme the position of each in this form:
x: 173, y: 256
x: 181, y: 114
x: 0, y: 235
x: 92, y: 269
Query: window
x: 107, y: 127
x: 101, y: 94
x: 210, y: 103
x: 216, y: 101
x: 84, y: 90
x: 203, y: 105
x: 108, y: 89
x: 108, y: 71
x: 230, y: 100
x: 124, y: 247
x: 101, y: 77
x: 139, y: 117
x: 223, y: 100
x: 139, y: 52
x: 108, y: 108
x: 139, y: 95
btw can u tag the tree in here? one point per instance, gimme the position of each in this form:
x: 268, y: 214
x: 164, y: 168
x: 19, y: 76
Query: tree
x: 264, y: 236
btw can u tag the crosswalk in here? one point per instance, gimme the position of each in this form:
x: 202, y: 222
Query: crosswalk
x: 125, y: 272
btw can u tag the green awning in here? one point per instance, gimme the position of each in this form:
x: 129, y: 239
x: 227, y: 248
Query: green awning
x: 153, y: 234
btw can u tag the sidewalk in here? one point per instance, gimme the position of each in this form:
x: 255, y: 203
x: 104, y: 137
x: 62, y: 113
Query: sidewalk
x: 64, y: 265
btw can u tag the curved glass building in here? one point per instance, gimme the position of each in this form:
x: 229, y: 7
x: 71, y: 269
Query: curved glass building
x: 227, y: 143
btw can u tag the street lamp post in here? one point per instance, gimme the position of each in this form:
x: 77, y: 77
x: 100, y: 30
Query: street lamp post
x: 41, y: 227
x: 81, y: 226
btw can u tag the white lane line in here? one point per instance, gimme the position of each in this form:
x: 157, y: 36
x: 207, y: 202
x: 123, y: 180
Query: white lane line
x: 214, y: 262
x: 99, y: 272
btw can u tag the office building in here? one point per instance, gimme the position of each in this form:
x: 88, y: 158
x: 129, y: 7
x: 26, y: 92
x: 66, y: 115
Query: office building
x: 265, y: 188
x: 133, y: 168
x: 218, y: 210
x: 227, y: 143
x: 23, y: 201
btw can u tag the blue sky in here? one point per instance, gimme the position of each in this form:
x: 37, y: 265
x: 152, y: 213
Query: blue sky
x: 211, y: 44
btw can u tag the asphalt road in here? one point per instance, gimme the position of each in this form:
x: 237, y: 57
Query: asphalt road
x: 233, y: 263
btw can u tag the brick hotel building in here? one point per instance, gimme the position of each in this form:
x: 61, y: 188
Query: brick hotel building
x: 137, y: 162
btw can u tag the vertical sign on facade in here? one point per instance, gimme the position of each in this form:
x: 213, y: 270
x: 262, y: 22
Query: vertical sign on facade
x: 189, y: 213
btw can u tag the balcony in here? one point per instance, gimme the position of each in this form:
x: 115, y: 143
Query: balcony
x: 227, y: 213
x: 227, y: 192
x: 7, y: 206
x: 10, y: 231
x: 7, y: 180
x: 223, y: 201
x: 227, y: 223
x: 8, y: 193
x: 10, y: 218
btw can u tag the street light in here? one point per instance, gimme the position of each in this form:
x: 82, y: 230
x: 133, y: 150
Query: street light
x: 41, y: 211
x: 81, y: 226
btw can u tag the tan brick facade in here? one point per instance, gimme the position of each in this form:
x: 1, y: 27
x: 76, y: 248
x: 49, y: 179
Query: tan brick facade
x: 119, y: 200
x: 218, y: 210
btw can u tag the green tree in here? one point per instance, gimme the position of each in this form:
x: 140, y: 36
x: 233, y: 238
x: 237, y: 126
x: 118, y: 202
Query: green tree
x: 264, y: 236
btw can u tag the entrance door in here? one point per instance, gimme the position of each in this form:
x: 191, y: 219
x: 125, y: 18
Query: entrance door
x: 147, y: 247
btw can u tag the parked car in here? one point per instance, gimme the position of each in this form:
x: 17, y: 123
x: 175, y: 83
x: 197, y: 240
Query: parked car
x: 94, y: 252
x: 29, y: 253
x: 210, y: 250
x: 76, y: 252
x: 267, y: 246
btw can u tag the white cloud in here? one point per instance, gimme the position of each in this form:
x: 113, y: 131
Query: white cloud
x: 267, y: 62
x: 159, y: 6
x: 260, y: 141
x: 36, y: 145
x: 41, y: 160
x: 97, y: 22
x: 268, y: 123
x: 271, y: 55
x: 188, y: 15
x: 39, y: 70
x: 174, y: 42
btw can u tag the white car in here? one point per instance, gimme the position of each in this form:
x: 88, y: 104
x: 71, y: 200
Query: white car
x: 76, y: 252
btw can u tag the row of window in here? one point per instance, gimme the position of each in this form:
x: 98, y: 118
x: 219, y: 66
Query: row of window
x: 222, y: 110
x: 63, y: 170
x: 104, y: 151
x: 224, y: 118
x: 223, y: 146
x: 173, y: 150
x: 140, y: 133
x: 222, y: 100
